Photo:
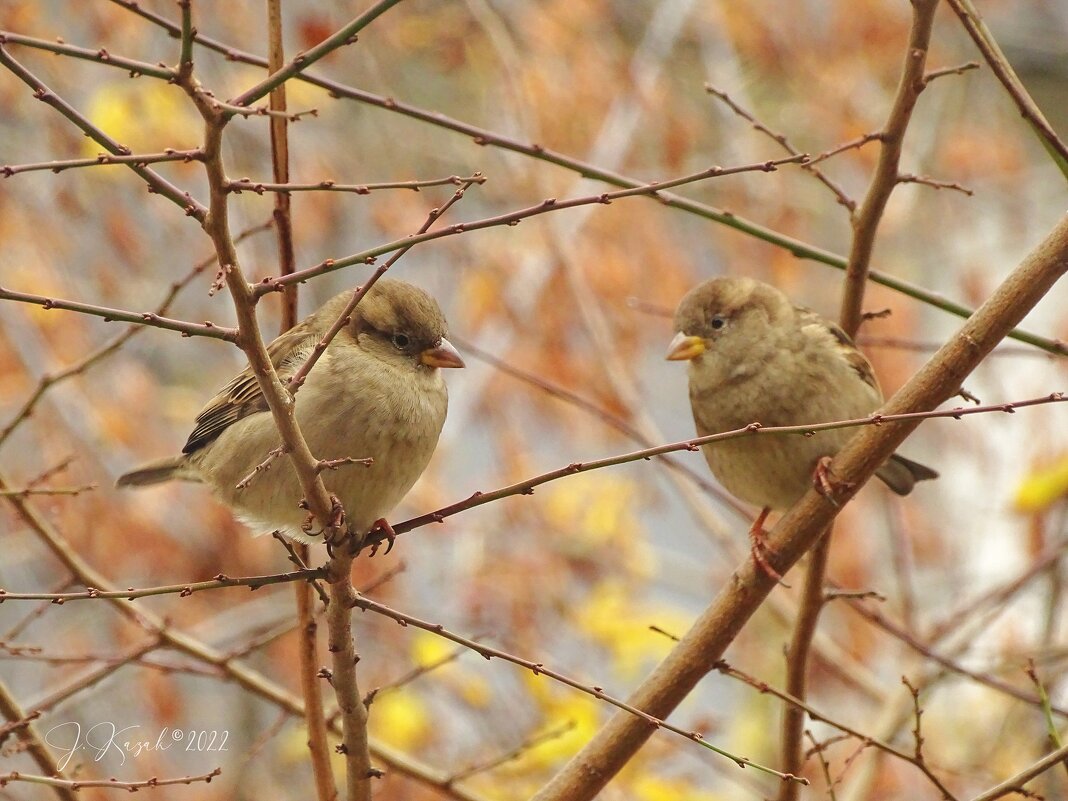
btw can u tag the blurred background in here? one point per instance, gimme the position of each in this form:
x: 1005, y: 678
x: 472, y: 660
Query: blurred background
x: 575, y: 575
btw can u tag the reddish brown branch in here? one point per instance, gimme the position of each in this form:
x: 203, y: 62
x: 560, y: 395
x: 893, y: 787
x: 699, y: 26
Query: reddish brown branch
x: 696, y: 654
x: 206, y: 329
x: 483, y: 136
x: 155, y: 182
x: 21, y: 726
x: 891, y: 140
x: 988, y: 46
x: 103, y: 160
x: 526, y: 487
x: 74, y: 785
x: 515, y: 217
x: 98, y: 55
x: 808, y: 612
x: 839, y: 193
x: 539, y: 669
x: 260, y: 187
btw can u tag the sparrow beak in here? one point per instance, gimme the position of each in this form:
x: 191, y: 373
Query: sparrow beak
x: 442, y: 355
x: 683, y: 347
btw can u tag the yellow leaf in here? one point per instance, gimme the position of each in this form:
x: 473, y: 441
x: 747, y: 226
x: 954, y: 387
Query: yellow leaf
x: 611, y: 616
x: 597, y: 510
x: 1043, y: 487
x: 400, y: 718
x: 655, y: 788
x: 428, y: 649
x: 146, y: 116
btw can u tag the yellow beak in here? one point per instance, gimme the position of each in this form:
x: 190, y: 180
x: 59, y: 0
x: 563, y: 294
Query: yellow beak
x: 442, y: 355
x: 683, y: 347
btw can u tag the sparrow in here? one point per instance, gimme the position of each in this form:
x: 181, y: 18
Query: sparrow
x: 375, y: 392
x: 756, y: 357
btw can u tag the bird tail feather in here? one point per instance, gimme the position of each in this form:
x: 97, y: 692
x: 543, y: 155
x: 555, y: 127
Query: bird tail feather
x: 169, y: 469
x: 901, y: 474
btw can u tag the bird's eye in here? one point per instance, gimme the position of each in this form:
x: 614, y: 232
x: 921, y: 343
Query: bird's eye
x: 718, y: 321
x: 400, y: 341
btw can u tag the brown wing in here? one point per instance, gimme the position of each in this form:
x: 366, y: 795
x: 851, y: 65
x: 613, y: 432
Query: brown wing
x: 242, y: 396
x: 846, y: 349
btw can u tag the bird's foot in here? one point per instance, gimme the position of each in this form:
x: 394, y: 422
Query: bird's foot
x: 826, y: 482
x: 334, y: 532
x: 337, y: 514
x: 382, y: 526
x: 759, y: 548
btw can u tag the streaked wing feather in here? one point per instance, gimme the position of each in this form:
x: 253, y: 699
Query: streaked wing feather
x: 847, y: 350
x: 242, y: 396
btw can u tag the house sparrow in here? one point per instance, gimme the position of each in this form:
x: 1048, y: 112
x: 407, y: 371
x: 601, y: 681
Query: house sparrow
x: 756, y: 357
x: 375, y: 392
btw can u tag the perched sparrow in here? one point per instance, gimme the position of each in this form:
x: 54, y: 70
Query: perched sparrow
x: 756, y: 357
x: 375, y: 392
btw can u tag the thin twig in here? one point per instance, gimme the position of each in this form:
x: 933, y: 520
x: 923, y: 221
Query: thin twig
x: 840, y: 195
x: 1002, y: 69
x: 538, y: 669
x: 98, y: 55
x: 960, y: 69
x: 299, y: 377
x: 109, y: 315
x: 48, y: 491
x: 103, y: 160
x: 852, y: 144
x: 934, y: 183
x: 528, y: 486
x: 181, y: 590
x: 818, y: 716
x: 156, y: 183
x: 514, y: 753
x: 260, y: 187
x: 483, y: 136
x: 517, y: 216
x: 74, y: 785
x: 262, y: 467
x: 345, y: 36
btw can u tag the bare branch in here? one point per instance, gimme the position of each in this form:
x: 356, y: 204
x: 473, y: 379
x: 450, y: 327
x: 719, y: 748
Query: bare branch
x: 103, y: 159
x: 156, y: 183
x: 327, y: 185
x: 181, y: 590
x: 80, y: 784
x: 991, y: 51
x: 206, y: 329
x: 99, y: 55
x: 753, y: 429
x: 515, y: 217
x: 799, y: 528
x: 483, y: 136
x: 345, y: 36
x: 539, y: 669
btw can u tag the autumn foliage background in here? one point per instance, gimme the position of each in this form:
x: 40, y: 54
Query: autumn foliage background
x: 576, y: 575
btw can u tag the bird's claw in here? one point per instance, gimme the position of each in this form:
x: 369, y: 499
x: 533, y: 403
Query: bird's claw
x: 826, y: 482
x: 382, y: 526
x: 759, y: 548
